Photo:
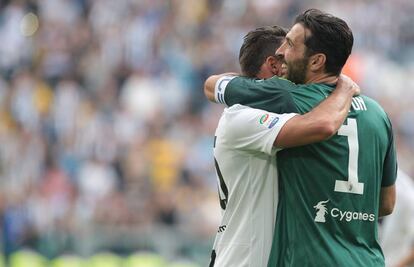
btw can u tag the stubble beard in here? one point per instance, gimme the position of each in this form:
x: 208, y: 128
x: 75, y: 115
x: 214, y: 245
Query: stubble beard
x: 297, y: 70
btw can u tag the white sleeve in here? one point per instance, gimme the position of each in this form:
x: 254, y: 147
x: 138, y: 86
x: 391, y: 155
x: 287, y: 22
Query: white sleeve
x: 220, y: 88
x: 252, y: 129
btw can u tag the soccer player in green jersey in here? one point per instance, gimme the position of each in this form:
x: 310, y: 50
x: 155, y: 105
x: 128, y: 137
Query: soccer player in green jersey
x: 246, y: 140
x: 331, y: 193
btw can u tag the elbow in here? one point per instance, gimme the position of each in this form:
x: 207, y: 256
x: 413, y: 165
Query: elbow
x: 387, y: 200
x: 206, y: 91
x: 328, y: 129
x: 386, y: 209
x: 209, y: 88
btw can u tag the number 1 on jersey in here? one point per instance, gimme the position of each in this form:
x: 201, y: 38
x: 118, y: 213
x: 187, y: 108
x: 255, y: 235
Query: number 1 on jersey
x: 351, y: 185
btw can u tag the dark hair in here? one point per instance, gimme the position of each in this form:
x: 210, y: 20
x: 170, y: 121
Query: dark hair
x: 257, y: 46
x: 330, y: 35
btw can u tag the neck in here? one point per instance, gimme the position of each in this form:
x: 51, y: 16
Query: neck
x: 263, y: 74
x: 323, y: 78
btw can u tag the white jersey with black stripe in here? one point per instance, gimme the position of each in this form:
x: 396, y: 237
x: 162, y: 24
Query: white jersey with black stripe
x: 248, y: 186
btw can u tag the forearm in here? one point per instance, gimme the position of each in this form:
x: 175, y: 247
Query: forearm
x: 210, y: 84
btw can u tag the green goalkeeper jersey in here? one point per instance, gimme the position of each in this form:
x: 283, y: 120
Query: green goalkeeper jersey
x: 329, y: 191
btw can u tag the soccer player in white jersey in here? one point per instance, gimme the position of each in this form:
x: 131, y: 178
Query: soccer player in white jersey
x: 245, y: 145
x: 397, y: 231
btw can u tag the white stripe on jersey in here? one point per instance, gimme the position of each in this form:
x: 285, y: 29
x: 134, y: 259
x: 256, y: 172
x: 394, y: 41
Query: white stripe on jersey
x: 220, y: 88
x: 247, y: 177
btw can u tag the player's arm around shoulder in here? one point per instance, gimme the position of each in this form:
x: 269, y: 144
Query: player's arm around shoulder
x: 323, y: 121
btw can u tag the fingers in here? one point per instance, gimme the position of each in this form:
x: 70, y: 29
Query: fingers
x: 349, y: 82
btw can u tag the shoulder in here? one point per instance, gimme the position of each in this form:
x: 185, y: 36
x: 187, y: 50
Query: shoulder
x: 244, y: 113
x: 373, y: 106
x: 240, y: 116
x: 372, y: 103
x: 250, y: 129
x: 314, y: 91
x: 241, y: 121
x: 307, y: 96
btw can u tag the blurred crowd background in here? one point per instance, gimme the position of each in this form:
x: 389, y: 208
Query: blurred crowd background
x: 106, y: 138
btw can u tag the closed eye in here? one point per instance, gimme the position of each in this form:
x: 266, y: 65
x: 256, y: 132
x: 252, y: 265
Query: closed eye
x: 289, y: 42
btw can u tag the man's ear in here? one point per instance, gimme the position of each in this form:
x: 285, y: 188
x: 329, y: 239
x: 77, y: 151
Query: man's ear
x: 272, y: 64
x: 317, y: 62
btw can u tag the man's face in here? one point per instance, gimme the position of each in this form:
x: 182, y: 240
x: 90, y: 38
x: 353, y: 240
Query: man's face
x: 292, y: 51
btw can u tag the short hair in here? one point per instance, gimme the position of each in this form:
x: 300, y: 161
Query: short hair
x: 257, y: 46
x: 330, y: 35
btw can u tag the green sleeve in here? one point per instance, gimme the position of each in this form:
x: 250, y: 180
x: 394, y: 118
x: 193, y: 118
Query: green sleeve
x: 390, y: 163
x: 273, y: 94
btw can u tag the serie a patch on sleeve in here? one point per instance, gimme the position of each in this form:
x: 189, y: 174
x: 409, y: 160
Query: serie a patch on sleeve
x: 268, y: 120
